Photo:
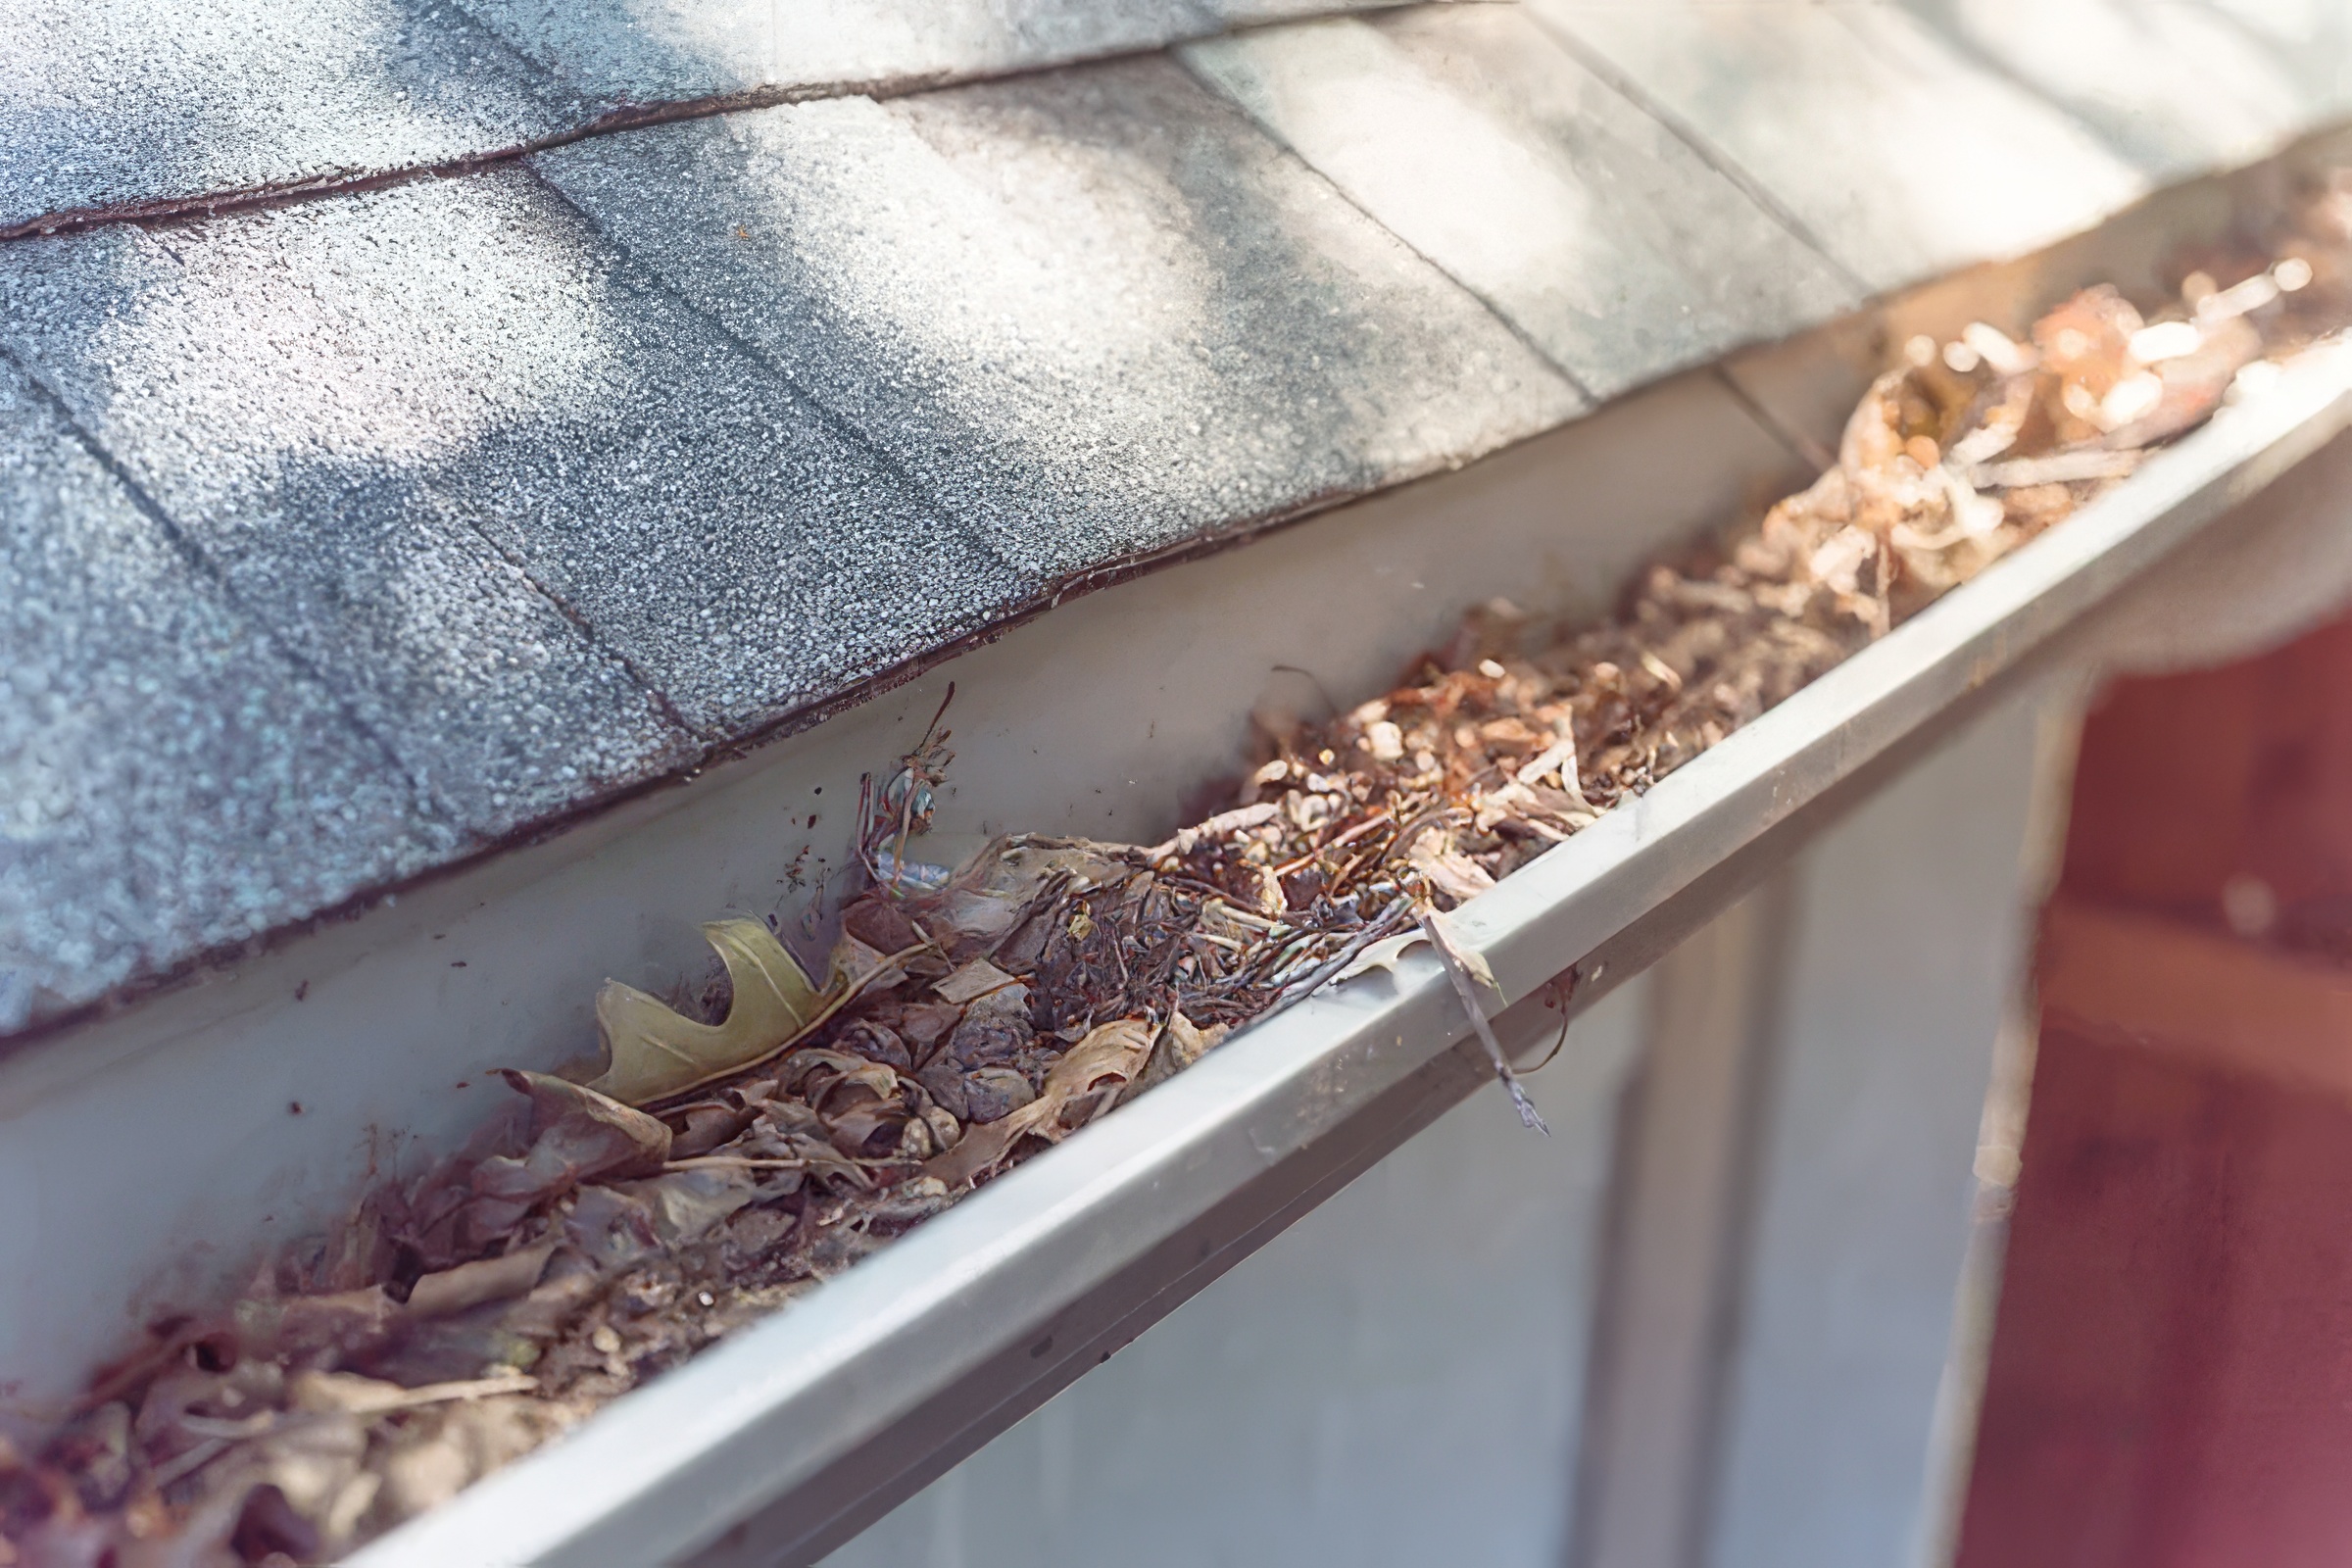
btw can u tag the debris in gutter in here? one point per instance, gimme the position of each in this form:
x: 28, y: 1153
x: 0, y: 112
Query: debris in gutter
x: 749, y: 1143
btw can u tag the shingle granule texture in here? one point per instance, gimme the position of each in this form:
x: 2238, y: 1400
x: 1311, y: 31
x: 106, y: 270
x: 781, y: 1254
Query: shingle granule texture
x: 145, y: 105
x: 334, y: 401
x: 170, y: 781
x: 132, y: 103
x: 1482, y: 142
x: 681, y: 50
x: 1113, y: 315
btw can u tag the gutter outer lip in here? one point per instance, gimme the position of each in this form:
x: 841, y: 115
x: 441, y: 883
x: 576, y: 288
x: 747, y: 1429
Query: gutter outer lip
x: 804, y: 1424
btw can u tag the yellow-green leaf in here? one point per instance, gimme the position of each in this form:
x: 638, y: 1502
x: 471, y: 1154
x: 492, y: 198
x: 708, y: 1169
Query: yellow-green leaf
x: 655, y: 1053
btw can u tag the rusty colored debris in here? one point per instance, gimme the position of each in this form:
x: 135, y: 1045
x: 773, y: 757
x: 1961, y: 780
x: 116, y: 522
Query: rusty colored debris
x: 970, y: 1017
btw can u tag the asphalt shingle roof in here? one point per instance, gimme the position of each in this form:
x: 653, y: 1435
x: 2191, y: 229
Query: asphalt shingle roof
x: 1114, y: 319
x: 351, y: 532
x: 130, y: 106
x: 170, y: 778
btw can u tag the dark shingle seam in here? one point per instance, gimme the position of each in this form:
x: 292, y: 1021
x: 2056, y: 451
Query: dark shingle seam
x: 1339, y: 192
x: 645, y: 275
x: 1714, y: 157
x: 628, y: 117
x: 201, y: 562
x: 595, y: 640
x: 1801, y: 446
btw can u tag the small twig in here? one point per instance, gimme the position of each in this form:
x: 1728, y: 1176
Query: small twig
x: 188, y: 1463
x: 1468, y: 990
x: 252, y: 1425
x: 1312, y: 679
x: 1225, y: 823
x: 444, y: 1393
x: 1249, y: 918
x: 937, y: 713
x: 379, y: 1400
x: 1376, y: 820
x: 1300, y: 990
x: 1287, y: 971
x: 1564, y: 998
x: 1371, y: 853
x: 1435, y: 817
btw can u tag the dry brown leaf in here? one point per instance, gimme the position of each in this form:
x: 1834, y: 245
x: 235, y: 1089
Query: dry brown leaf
x: 682, y: 1204
x: 1113, y: 1053
x: 975, y: 981
x: 993, y: 890
x: 491, y: 1279
x: 653, y: 1054
x: 578, y: 1135
x: 861, y: 967
x: 1448, y: 870
x: 1179, y: 1047
x: 1384, y: 954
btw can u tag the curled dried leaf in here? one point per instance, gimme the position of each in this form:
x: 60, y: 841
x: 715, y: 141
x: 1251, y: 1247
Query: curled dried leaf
x: 684, y: 1204
x: 655, y: 1054
x: 1386, y: 953
x: 577, y: 1133
x: 469, y: 1285
x: 1110, y: 1056
x: 1179, y: 1047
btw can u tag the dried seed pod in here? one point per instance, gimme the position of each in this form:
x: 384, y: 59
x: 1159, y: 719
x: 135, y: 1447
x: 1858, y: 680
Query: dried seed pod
x: 993, y: 1093
x: 945, y: 1128
x: 916, y: 1142
x: 988, y: 1038
x: 876, y: 1043
x: 945, y: 1085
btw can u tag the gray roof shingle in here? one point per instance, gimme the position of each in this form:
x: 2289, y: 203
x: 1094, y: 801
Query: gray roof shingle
x: 318, y: 396
x: 2175, y: 87
x: 1112, y: 318
x: 682, y: 50
x: 130, y: 106
x: 1893, y: 151
x: 170, y: 779
x: 141, y: 104
x: 1477, y: 139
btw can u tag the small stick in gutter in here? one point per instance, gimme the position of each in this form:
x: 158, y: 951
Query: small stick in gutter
x: 1457, y: 968
x: 1308, y: 984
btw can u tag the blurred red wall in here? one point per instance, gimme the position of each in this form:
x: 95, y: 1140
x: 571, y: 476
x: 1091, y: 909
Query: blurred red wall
x: 2171, y: 1376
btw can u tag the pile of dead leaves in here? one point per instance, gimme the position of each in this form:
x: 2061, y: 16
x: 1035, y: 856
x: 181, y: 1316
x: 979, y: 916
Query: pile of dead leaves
x: 750, y: 1141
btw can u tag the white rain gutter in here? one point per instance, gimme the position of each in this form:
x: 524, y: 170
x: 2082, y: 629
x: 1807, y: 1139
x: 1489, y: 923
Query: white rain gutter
x: 779, y: 1445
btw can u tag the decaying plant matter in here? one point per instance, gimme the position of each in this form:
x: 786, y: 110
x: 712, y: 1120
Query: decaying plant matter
x: 740, y: 1149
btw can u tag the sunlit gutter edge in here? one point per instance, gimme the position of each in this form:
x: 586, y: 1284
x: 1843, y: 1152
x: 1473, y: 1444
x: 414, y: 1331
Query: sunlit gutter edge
x: 782, y: 1442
